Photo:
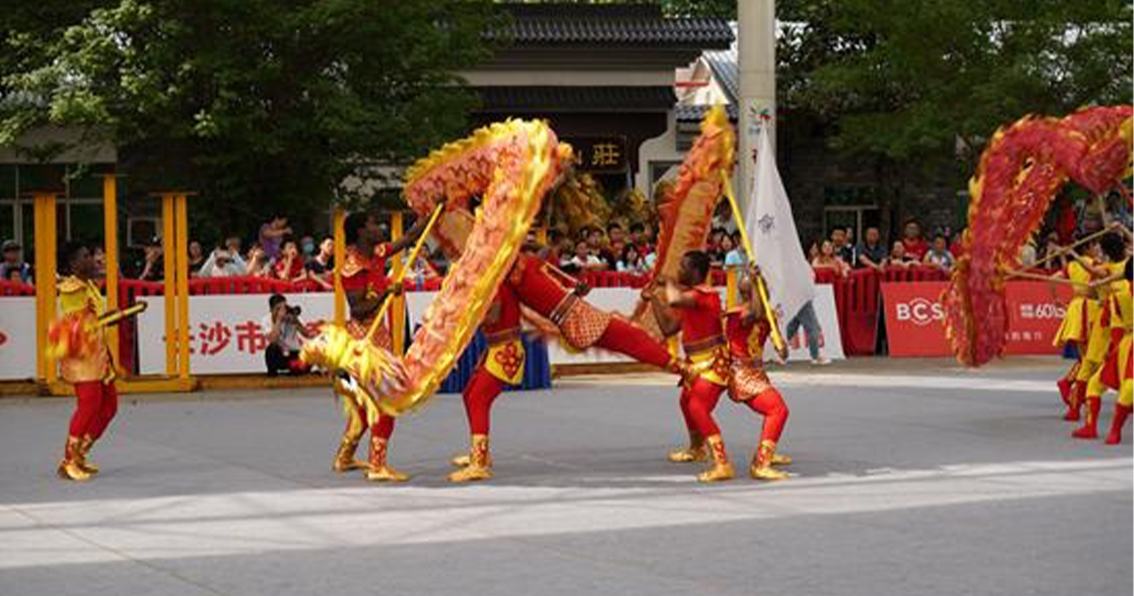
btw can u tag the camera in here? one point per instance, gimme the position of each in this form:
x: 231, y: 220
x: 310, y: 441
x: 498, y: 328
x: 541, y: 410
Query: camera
x: 294, y: 311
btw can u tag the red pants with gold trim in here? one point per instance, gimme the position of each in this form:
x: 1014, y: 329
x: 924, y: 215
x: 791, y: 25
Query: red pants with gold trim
x: 771, y: 405
x: 479, y: 395
x: 633, y: 341
x: 698, y: 399
x: 96, y: 406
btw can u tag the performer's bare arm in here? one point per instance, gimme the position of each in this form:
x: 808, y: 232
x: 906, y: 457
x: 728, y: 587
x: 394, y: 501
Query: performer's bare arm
x: 410, y: 236
x: 362, y: 307
x: 676, y: 296
x: 752, y: 305
x: 668, y: 322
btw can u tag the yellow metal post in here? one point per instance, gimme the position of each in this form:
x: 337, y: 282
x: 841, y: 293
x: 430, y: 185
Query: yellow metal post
x: 340, y: 258
x: 45, y: 257
x: 110, y: 248
x: 397, y: 328
x: 182, y: 263
x: 170, y: 289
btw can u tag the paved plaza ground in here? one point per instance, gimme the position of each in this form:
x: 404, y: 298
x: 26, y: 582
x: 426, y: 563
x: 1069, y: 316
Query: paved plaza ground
x: 914, y: 477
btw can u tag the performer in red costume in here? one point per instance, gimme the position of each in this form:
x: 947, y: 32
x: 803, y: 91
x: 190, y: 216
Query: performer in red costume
x: 502, y: 364
x: 366, y: 285
x: 693, y: 307
x: 559, y: 297
x: 748, y: 381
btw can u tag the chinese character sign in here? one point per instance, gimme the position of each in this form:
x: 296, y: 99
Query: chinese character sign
x: 227, y: 334
x: 600, y: 154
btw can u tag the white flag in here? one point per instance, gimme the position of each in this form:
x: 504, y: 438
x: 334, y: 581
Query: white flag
x: 774, y: 239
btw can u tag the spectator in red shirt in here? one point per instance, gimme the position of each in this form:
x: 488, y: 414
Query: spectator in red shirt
x: 289, y: 267
x: 915, y: 245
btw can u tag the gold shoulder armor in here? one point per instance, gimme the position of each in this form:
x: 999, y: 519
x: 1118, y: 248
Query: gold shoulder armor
x: 70, y: 285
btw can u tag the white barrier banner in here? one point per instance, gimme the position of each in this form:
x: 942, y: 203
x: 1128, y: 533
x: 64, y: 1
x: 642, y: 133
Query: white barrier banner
x: 622, y: 300
x: 226, y: 333
x: 17, y: 337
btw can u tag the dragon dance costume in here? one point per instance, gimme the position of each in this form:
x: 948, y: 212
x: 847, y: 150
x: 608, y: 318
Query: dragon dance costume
x: 1076, y: 330
x: 502, y: 364
x: 1088, y: 386
x: 368, y: 276
x: 85, y: 362
x: 706, y: 376
x: 551, y: 293
x: 749, y: 385
x: 1110, y: 353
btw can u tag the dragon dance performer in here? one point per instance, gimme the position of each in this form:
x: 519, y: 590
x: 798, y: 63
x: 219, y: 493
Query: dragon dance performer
x: 78, y: 342
x: 1075, y: 329
x: 553, y: 294
x: 1119, y: 366
x: 1088, y: 379
x: 693, y: 308
x: 747, y: 325
x: 366, y: 286
x: 502, y: 364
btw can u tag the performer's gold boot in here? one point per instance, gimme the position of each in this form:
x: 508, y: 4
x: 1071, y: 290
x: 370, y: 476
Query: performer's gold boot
x: 344, y: 457
x: 761, y: 468
x: 68, y: 469
x: 721, y: 469
x: 462, y: 459
x: 695, y: 452
x: 379, y: 470
x: 781, y: 459
x: 480, y: 464
x: 84, y: 452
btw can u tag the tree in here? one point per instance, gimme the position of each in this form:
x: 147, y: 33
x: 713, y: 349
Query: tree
x: 908, y: 84
x: 906, y: 79
x: 720, y: 9
x: 257, y: 104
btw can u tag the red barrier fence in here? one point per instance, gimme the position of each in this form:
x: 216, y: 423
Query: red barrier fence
x: 857, y: 296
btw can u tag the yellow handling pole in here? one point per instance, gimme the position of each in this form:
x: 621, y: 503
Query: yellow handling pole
x: 399, y: 275
x: 110, y: 248
x: 397, y: 329
x: 181, y: 221
x: 777, y: 337
x: 340, y: 258
x: 170, y: 290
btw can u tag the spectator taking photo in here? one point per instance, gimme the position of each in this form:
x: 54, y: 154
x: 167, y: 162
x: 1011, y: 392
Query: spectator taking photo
x: 286, y: 332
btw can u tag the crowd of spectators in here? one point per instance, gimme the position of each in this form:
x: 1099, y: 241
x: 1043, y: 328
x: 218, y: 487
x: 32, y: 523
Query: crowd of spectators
x: 838, y: 252
x: 595, y: 248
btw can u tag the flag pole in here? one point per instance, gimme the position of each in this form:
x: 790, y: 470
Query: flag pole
x: 761, y: 287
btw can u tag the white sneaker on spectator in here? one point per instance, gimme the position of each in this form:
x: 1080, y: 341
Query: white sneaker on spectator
x: 821, y: 361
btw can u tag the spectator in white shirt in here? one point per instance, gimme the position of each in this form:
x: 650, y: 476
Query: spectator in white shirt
x: 631, y: 261
x: 585, y: 259
x: 284, y: 337
x: 221, y: 264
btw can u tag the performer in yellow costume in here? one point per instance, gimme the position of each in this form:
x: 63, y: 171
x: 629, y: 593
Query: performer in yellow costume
x: 77, y: 342
x: 1116, y: 371
x: 1114, y: 247
x: 1076, y: 328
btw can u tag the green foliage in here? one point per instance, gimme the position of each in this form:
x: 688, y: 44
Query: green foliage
x: 721, y: 9
x: 906, y: 80
x: 257, y: 104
